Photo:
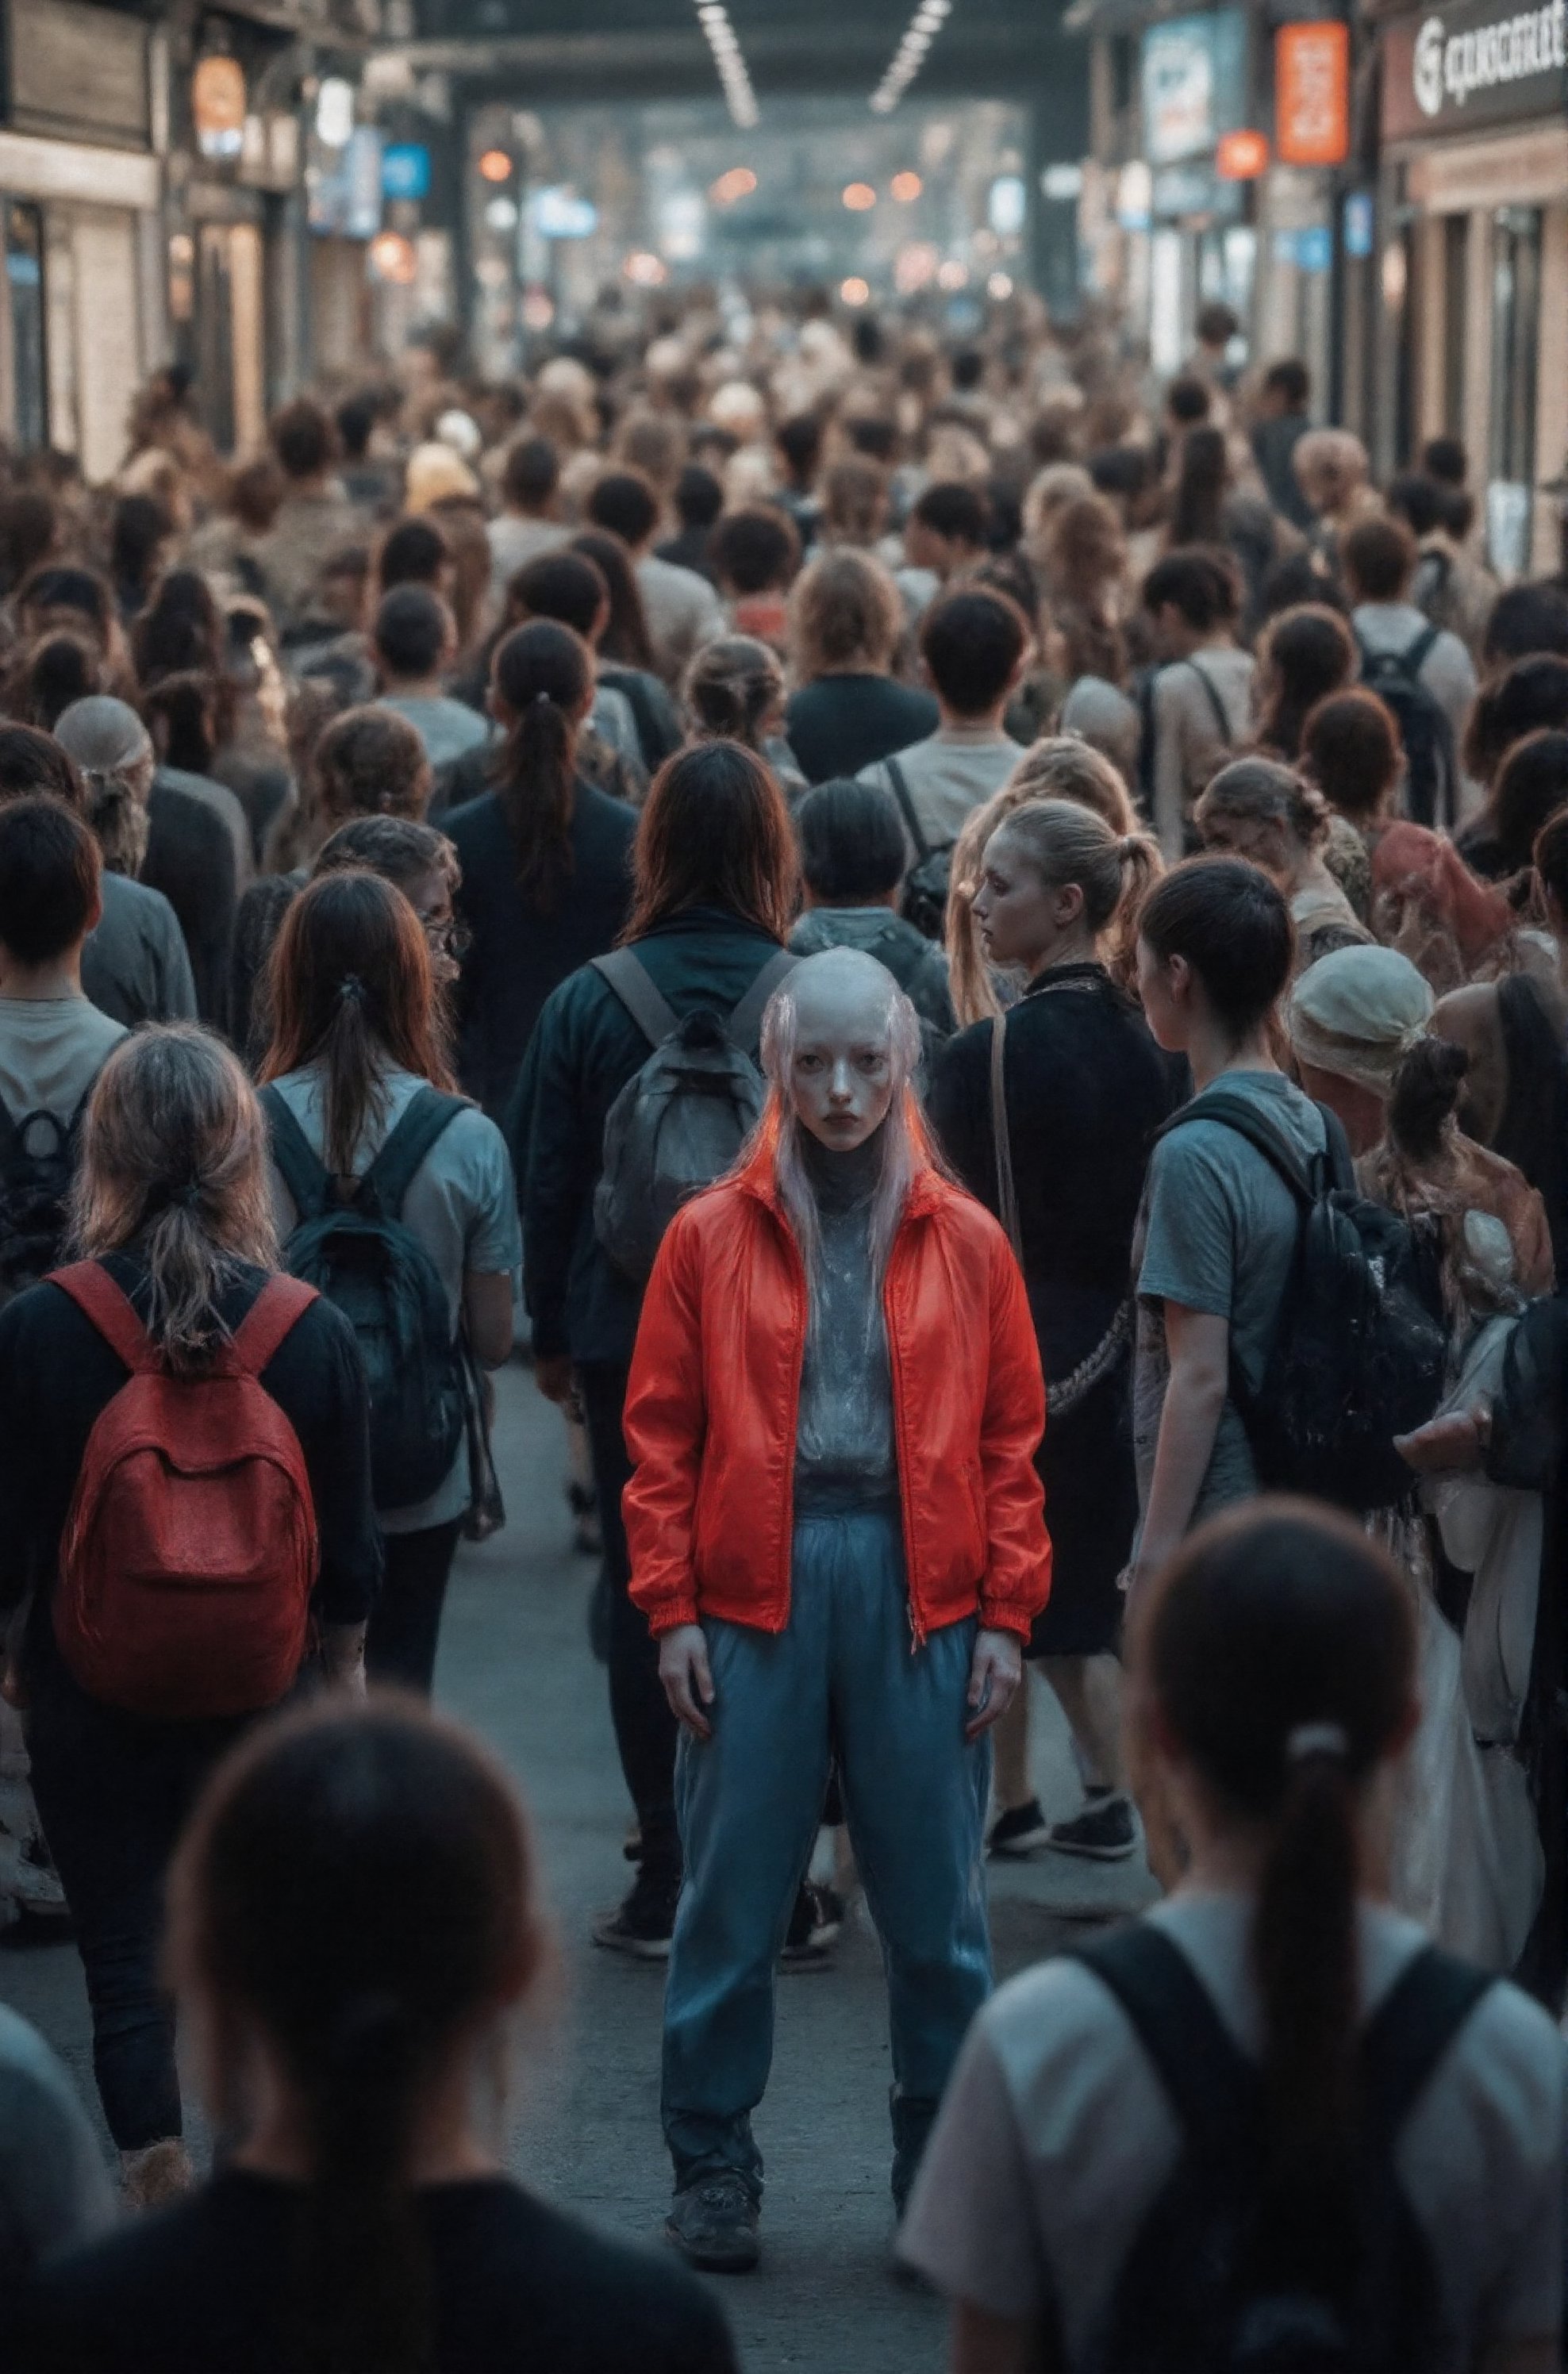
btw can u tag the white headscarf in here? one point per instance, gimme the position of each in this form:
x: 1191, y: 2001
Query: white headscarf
x: 1357, y: 1013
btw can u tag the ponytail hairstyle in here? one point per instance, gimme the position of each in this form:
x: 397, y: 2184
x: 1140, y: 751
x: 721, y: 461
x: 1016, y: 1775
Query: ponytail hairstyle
x: 542, y: 680
x: 1276, y: 1655
x: 113, y: 750
x: 1260, y: 790
x: 358, y: 1885
x: 730, y: 687
x: 1065, y: 843
x: 349, y: 987
x: 173, y: 1160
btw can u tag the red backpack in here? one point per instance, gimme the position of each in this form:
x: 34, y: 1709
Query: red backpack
x: 190, y: 1550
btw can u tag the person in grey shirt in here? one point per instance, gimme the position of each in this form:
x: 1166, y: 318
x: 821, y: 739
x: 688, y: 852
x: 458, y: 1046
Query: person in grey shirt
x: 416, y: 644
x: 974, y: 648
x: 852, y: 862
x: 1379, y: 557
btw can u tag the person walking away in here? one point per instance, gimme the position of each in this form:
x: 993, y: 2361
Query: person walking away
x: 136, y: 967
x: 1057, y: 886
x: 1278, y: 822
x: 1424, y: 672
x: 356, y: 1923
x: 1350, y: 750
x: 546, y: 859
x: 683, y: 609
x: 852, y: 866
x: 756, y: 558
x: 172, y: 1321
x: 528, y: 522
x: 837, y: 1541
x: 1280, y: 420
x: 1391, y: 2189
x: 714, y: 881
x: 734, y: 690
x: 314, y: 519
x: 415, y: 639
x: 198, y: 850
x: 848, y: 709
x: 396, y: 1198
x: 1200, y: 697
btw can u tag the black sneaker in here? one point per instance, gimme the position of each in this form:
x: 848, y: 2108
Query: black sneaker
x: 713, y: 2225
x: 641, y: 1927
x: 1020, y: 1830
x: 810, y: 1935
x: 1104, y: 1832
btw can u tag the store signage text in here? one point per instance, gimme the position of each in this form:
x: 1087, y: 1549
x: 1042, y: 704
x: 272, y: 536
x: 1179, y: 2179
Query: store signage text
x: 1458, y: 66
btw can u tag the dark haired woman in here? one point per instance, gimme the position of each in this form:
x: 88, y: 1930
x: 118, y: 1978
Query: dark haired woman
x: 626, y: 650
x: 199, y: 851
x: 1217, y: 1235
x: 546, y: 858
x: 1055, y: 885
x: 1530, y: 785
x: 1273, y: 1679
x: 172, y: 1204
x: 355, y: 1042
x: 715, y: 894
x: 355, y: 1925
x: 180, y: 631
x: 1303, y: 655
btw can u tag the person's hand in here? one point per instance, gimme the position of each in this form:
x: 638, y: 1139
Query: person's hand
x: 688, y: 1677
x: 556, y: 1379
x: 1455, y: 1444
x: 995, y: 1672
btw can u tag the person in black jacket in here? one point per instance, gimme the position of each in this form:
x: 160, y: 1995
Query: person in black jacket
x: 1084, y: 1089
x: 354, y: 1923
x: 715, y: 884
x: 172, y: 1203
x: 547, y: 875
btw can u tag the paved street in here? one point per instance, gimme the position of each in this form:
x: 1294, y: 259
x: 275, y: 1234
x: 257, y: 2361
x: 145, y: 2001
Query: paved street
x: 515, y: 1662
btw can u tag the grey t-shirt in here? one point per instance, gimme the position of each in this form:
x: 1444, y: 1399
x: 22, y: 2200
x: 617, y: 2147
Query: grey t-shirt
x: 1055, y: 2138
x: 1217, y: 1233
x: 447, y: 727
x: 462, y: 1206
x: 844, y: 1433
x: 55, y: 2189
x: 136, y: 965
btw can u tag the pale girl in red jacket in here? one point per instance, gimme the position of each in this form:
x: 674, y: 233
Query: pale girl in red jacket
x: 837, y: 1537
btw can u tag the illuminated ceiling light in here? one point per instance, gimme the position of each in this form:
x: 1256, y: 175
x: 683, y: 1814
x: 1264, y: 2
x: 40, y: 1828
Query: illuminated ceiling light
x: 952, y: 275
x: 909, y: 55
x: 860, y: 197
x: 495, y: 165
x: 854, y: 291
x: 738, y: 183
x: 646, y: 270
x: 734, y: 79
x: 538, y: 309
x: 1000, y: 286
x: 906, y: 188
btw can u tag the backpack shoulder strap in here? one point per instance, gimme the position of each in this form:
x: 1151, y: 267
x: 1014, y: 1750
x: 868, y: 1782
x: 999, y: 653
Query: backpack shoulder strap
x: 282, y: 1301
x: 391, y: 1175
x: 1240, y: 1114
x: 745, y: 1024
x: 1414, y: 658
x: 1409, y: 2033
x: 1206, y: 2079
x: 1002, y: 1138
x: 899, y: 782
x: 624, y: 972
x: 1215, y: 703
x: 299, y: 1165
x: 110, y: 1309
x: 12, y: 1141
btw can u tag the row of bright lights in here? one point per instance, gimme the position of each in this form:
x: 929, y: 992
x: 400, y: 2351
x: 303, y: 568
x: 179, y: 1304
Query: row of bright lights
x: 909, y: 55
x: 713, y: 18
x: 950, y: 277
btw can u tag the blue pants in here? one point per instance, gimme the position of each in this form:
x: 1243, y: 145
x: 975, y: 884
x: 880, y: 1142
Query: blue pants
x: 845, y: 1675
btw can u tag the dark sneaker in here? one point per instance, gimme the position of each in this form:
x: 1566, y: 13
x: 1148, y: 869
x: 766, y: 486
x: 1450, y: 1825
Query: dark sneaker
x: 1020, y: 1830
x: 810, y: 1935
x: 1104, y: 1832
x: 641, y: 1927
x: 713, y: 2225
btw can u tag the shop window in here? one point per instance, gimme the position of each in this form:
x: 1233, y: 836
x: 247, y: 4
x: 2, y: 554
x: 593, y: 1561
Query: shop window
x: 1456, y: 253
x: 1515, y: 333
x: 24, y: 324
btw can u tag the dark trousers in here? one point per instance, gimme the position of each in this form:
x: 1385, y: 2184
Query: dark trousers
x: 113, y: 1793
x: 644, y: 1727
x: 400, y: 1646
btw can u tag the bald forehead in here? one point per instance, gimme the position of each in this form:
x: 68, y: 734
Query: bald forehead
x: 842, y: 994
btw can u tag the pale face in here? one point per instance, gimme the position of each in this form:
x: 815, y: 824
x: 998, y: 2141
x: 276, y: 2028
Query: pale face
x: 1020, y: 919
x: 841, y: 1079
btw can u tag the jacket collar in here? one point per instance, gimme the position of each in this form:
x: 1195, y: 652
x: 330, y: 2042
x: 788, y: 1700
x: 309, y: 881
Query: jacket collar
x: 759, y: 1178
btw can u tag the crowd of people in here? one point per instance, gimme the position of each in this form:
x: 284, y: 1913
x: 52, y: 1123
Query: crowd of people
x: 969, y: 956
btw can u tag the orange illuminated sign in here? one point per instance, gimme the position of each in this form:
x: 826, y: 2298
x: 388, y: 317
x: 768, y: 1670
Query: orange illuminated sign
x: 1241, y: 156
x: 1311, y: 94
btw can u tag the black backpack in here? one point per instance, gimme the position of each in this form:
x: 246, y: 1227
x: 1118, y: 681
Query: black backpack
x: 1360, y: 1348
x: 1432, y: 768
x: 350, y: 1243
x: 925, y: 900
x: 35, y: 1189
x: 1202, y: 2290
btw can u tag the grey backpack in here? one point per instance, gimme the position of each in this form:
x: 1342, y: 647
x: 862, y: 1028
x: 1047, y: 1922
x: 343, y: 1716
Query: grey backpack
x: 679, y: 1122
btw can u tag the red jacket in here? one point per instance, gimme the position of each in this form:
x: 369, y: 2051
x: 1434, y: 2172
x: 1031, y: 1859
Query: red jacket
x: 715, y: 1394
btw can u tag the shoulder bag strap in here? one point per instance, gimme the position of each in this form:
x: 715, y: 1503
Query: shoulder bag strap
x: 1409, y: 2033
x: 1001, y: 1137
x: 1206, y: 2079
x: 299, y: 1165
x: 624, y: 972
x: 745, y: 1024
x: 282, y: 1301
x: 902, y: 793
x: 1220, y: 718
x: 390, y: 1176
x: 110, y: 1309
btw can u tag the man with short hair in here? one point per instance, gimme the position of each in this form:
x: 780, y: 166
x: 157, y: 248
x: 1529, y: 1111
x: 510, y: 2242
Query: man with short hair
x: 974, y: 648
x: 699, y: 498
x: 415, y: 641
x: 1378, y: 557
x: 528, y: 524
x: 1279, y: 423
x: 943, y: 539
x: 682, y: 608
x: 756, y: 553
x: 315, y: 518
x: 852, y: 866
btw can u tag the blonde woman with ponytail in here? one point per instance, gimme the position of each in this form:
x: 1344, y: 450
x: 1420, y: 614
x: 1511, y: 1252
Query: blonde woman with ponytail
x: 170, y: 1209
x: 1047, y: 1113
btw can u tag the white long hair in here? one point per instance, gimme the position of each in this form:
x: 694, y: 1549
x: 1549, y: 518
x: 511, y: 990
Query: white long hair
x: 906, y: 1148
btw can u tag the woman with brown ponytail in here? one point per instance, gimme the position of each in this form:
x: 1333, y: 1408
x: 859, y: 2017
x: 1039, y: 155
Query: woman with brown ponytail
x: 546, y: 858
x: 1047, y: 1114
x: 1269, y: 2113
x: 355, y: 1925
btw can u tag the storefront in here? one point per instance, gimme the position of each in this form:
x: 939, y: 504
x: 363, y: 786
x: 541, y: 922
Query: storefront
x: 1201, y: 245
x: 1474, y: 266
